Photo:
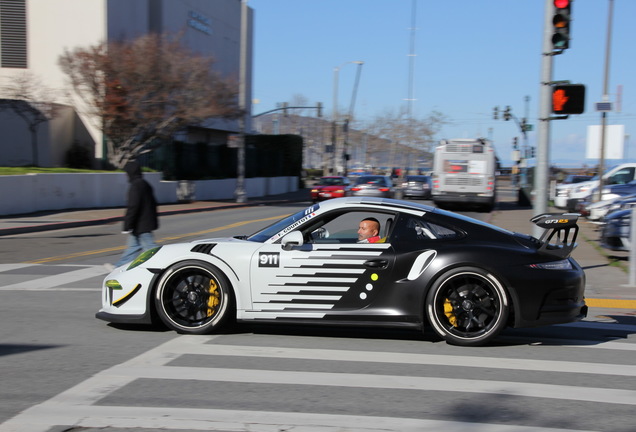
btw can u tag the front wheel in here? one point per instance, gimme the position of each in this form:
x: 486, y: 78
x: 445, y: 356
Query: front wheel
x: 467, y: 306
x: 193, y: 297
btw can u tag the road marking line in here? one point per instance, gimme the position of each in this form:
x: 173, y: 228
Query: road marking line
x: 196, y: 419
x: 75, y: 405
x: 161, y: 240
x: 611, y: 303
x: 412, y: 359
x: 52, y: 281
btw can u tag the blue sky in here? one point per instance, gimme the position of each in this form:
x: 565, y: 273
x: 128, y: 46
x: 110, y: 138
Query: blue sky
x: 472, y: 55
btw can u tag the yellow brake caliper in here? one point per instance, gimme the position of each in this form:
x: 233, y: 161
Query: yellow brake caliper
x: 448, y: 311
x: 213, y: 300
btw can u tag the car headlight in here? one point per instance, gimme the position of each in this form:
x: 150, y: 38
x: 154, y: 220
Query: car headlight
x: 143, y: 257
x: 553, y: 265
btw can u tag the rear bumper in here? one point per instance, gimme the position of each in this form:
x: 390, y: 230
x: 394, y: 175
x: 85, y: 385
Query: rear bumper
x: 463, y: 198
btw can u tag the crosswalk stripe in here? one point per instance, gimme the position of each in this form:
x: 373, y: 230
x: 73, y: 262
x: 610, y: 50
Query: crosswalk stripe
x: 52, y: 281
x: 417, y: 359
x: 78, y: 405
x: 395, y: 382
x: 145, y: 418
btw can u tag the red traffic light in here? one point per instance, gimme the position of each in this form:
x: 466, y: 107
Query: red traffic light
x: 561, y: 24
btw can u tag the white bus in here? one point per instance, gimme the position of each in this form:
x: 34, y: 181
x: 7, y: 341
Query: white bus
x: 464, y: 173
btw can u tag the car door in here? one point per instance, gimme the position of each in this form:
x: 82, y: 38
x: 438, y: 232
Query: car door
x: 330, y: 277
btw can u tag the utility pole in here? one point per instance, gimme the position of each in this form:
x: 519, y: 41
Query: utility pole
x: 239, y: 193
x: 540, y: 204
x: 601, y: 165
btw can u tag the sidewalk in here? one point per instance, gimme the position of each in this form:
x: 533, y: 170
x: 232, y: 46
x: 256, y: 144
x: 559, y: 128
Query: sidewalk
x: 606, y: 290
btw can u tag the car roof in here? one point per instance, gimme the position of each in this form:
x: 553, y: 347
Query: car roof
x: 387, y: 203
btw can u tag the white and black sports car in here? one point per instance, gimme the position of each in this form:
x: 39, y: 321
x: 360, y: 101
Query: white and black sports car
x: 466, y: 279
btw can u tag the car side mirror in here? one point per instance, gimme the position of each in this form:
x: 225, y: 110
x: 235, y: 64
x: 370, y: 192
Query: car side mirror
x: 294, y: 238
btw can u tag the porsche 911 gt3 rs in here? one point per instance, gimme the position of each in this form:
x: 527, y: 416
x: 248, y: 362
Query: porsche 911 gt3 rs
x: 465, y: 279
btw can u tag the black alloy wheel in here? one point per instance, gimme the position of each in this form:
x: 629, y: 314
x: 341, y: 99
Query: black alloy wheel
x: 467, y: 306
x: 193, y: 297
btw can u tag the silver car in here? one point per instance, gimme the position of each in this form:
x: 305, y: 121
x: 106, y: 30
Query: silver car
x: 372, y: 186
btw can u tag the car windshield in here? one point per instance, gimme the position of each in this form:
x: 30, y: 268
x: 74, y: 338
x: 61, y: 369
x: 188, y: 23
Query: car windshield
x: 416, y: 178
x: 371, y: 180
x: 331, y: 181
x: 283, y: 226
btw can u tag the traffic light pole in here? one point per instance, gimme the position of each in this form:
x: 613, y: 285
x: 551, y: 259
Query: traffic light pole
x: 541, y: 175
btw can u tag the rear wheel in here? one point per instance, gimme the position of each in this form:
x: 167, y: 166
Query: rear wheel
x: 467, y: 306
x: 193, y: 297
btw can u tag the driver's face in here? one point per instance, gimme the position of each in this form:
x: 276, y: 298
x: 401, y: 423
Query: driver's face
x: 367, y: 229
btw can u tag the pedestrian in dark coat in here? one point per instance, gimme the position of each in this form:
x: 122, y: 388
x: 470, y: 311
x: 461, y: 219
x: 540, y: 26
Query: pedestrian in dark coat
x: 141, y: 215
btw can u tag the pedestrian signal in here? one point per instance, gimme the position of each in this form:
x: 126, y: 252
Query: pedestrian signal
x: 568, y: 99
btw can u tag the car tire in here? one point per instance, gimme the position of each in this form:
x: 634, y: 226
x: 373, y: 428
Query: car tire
x: 467, y: 306
x: 193, y: 297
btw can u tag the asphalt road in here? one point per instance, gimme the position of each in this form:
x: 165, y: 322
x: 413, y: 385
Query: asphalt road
x: 61, y: 367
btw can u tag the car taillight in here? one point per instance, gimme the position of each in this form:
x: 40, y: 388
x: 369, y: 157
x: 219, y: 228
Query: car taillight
x: 355, y: 189
x: 554, y: 265
x: 384, y: 189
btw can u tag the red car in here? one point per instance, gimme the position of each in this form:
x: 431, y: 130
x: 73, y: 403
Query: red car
x: 329, y: 187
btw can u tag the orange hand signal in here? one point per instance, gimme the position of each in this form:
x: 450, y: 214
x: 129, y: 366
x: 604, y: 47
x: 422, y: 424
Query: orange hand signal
x: 558, y: 100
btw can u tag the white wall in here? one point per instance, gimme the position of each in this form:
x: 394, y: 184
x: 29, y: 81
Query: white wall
x: 42, y: 192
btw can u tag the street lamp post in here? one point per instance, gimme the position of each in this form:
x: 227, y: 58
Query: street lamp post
x: 240, y: 194
x: 334, y: 114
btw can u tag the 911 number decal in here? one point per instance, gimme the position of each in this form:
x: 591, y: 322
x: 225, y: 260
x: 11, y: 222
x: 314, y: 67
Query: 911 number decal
x: 269, y: 259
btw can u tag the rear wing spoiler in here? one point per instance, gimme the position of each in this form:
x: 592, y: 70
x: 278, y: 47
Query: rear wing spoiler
x: 559, y: 237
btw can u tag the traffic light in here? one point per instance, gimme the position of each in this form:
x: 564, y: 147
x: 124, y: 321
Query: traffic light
x: 568, y: 99
x: 319, y: 108
x: 561, y: 24
x: 495, y: 114
x: 507, y: 114
x: 285, y: 105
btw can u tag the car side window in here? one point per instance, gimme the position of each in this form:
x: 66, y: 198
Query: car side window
x: 343, y: 228
x: 416, y: 229
x: 622, y: 176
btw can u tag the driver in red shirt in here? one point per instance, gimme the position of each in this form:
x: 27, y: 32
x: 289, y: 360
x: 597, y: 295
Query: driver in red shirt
x: 369, y: 230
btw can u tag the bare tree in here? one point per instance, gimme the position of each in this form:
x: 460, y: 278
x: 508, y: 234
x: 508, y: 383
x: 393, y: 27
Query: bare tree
x: 409, y: 136
x: 32, y: 101
x: 145, y: 90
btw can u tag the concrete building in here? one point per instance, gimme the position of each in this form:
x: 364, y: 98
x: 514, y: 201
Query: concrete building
x: 34, y: 33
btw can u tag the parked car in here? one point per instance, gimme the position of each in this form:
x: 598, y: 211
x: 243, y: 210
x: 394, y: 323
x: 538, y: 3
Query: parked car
x: 598, y: 210
x: 568, y: 195
x: 329, y: 187
x: 616, y: 230
x: 372, y: 186
x: 586, y: 206
x: 417, y: 186
x: 464, y: 278
x: 576, y: 178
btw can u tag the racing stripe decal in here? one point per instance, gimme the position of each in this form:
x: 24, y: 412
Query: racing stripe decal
x: 306, y: 283
x: 125, y: 298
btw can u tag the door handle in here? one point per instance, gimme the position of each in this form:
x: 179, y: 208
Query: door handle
x: 376, y: 263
